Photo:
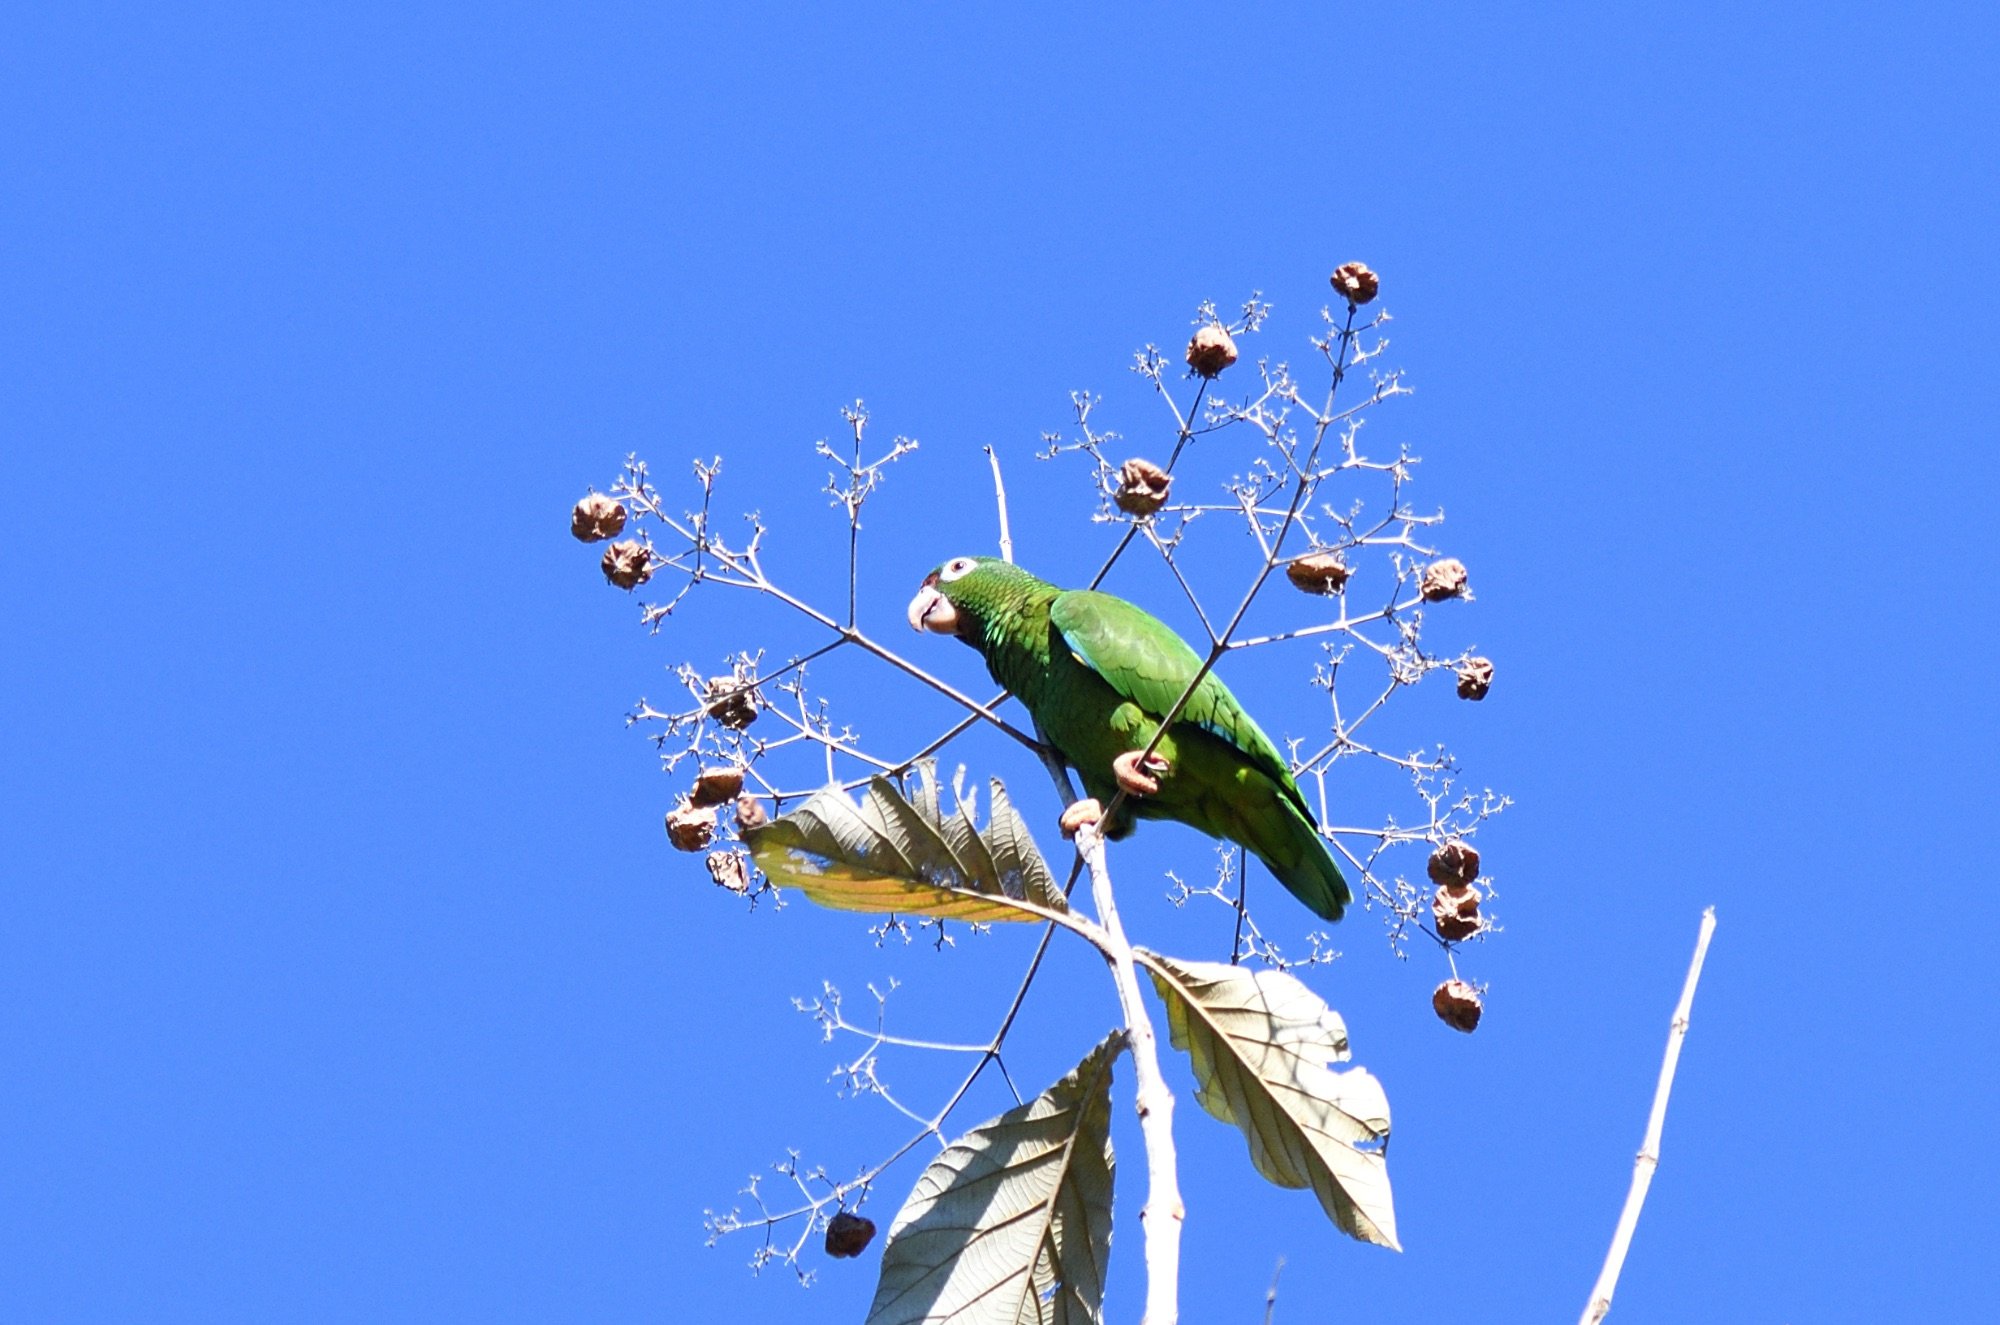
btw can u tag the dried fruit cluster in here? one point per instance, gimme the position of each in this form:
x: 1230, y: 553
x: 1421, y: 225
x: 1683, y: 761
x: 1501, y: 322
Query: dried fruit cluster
x: 1455, y: 908
x: 1211, y: 350
x: 628, y: 564
x: 1475, y: 678
x: 1444, y: 579
x: 596, y: 518
x: 691, y: 825
x: 1318, y: 572
x: 1456, y: 912
x: 1453, y: 865
x: 1142, y: 487
x: 848, y: 1234
x: 1356, y: 284
x: 730, y: 702
x: 1457, y: 1005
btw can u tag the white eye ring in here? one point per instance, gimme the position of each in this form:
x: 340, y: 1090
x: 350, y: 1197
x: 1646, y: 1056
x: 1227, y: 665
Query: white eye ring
x: 956, y: 568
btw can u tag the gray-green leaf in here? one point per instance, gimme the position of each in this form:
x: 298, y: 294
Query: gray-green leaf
x: 1011, y: 1224
x: 1260, y: 1042
x: 890, y: 853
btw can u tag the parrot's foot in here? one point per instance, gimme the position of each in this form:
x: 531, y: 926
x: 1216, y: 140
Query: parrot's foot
x: 1076, y: 816
x: 1136, y: 779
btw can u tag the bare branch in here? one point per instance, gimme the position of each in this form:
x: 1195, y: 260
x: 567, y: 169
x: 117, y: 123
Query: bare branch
x: 1599, y: 1305
x: 1161, y: 1217
x: 1163, y: 1214
x: 1000, y: 496
x: 1271, y: 1294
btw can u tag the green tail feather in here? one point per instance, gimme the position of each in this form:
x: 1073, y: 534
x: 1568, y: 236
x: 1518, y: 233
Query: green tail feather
x: 1304, y: 863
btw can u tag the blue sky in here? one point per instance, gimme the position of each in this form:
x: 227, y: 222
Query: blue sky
x: 344, y: 971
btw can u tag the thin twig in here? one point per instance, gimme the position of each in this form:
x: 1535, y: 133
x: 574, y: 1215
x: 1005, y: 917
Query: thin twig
x: 1242, y: 890
x: 931, y: 1127
x: 1000, y: 496
x: 1599, y: 1305
x: 1184, y: 432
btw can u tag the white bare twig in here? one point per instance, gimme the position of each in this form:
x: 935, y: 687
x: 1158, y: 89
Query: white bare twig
x: 1000, y: 496
x: 1161, y: 1217
x: 1599, y: 1305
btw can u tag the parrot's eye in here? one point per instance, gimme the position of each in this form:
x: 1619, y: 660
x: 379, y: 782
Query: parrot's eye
x: 956, y: 568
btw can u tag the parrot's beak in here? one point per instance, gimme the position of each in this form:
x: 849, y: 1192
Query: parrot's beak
x: 931, y: 610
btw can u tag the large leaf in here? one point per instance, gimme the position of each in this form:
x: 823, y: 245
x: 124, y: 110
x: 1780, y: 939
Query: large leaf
x: 890, y: 853
x: 1260, y: 1042
x: 1011, y: 1224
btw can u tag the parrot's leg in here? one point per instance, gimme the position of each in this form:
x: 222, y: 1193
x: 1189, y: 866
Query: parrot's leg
x: 1086, y: 811
x: 1137, y: 780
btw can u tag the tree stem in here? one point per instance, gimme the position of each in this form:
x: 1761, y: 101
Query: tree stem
x: 1599, y: 1305
x: 1161, y: 1218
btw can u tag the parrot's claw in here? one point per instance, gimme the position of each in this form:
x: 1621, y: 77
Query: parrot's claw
x: 1082, y: 813
x: 1136, y: 779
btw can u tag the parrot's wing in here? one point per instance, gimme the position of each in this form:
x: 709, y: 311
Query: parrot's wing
x: 1147, y: 663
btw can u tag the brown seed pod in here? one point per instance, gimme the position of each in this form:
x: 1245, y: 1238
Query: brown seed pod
x: 713, y: 786
x: 729, y: 870
x: 1211, y: 350
x: 1444, y: 579
x: 1457, y: 1005
x: 1318, y: 572
x: 1355, y: 283
x: 750, y: 813
x: 597, y: 518
x: 628, y: 564
x: 1454, y: 864
x: 691, y: 827
x: 1142, y: 487
x: 1475, y: 678
x: 848, y: 1235
x: 1456, y: 911
x: 731, y: 703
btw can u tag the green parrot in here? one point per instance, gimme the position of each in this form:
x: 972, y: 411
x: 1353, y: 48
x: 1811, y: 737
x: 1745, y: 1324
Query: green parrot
x: 1098, y: 674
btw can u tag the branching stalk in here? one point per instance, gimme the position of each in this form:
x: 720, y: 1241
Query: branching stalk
x: 1279, y: 494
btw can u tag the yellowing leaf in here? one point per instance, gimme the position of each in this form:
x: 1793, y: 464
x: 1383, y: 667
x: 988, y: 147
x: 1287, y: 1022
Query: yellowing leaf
x: 891, y: 854
x: 1260, y: 1042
